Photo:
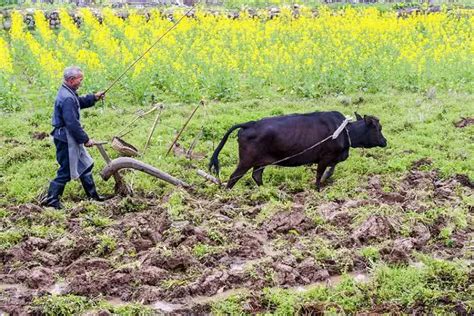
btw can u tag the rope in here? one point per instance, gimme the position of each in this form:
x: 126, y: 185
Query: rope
x: 124, y: 131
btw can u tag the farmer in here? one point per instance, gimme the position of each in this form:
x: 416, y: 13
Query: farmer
x: 70, y: 139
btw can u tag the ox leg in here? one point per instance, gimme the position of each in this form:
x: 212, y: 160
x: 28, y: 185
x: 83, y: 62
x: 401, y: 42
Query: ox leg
x: 319, y: 174
x: 238, y: 173
x: 328, y: 173
x: 257, y: 175
x: 332, y: 165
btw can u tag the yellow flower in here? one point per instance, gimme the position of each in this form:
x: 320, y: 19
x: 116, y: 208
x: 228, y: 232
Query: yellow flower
x: 354, y: 44
x: 42, y: 26
x: 6, y: 63
x: 88, y: 58
x: 17, y: 27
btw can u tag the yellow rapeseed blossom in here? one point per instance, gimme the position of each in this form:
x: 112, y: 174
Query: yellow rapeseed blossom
x: 6, y: 63
x: 88, y: 58
x: 42, y: 26
x: 49, y: 64
x: 332, y: 50
x: 17, y: 27
x: 68, y: 26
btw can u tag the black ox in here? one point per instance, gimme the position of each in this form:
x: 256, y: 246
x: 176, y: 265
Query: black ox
x: 289, y: 141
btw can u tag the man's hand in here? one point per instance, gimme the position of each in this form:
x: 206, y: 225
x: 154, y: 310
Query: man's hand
x: 90, y: 143
x: 99, y: 95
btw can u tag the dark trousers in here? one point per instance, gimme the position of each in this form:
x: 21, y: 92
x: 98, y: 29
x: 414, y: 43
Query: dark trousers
x: 63, y: 175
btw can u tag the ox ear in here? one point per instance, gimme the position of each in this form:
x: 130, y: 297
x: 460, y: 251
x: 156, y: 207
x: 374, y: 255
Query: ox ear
x: 358, y: 117
x: 369, y: 120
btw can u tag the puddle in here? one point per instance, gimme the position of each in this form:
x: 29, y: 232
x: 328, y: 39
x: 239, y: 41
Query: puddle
x: 269, y: 251
x: 241, y: 264
x: 179, y: 224
x: 238, y: 267
x: 18, y: 287
x: 57, y: 288
x: 204, y: 300
x: 332, y: 281
x: 166, y: 306
x: 116, y: 301
x: 159, y: 306
x: 418, y: 265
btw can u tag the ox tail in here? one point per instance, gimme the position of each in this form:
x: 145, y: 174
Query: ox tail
x: 214, y: 163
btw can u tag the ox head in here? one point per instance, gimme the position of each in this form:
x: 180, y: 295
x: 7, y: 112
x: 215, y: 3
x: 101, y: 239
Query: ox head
x: 368, y: 132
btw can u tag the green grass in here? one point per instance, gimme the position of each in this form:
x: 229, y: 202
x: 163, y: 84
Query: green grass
x: 10, y: 237
x: 106, y: 245
x: 415, y: 127
x: 370, y: 253
x: 202, y: 250
x: 230, y: 306
x: 64, y: 305
x: 436, y: 287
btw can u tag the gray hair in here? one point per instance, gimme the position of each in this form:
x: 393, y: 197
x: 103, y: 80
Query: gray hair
x: 72, y: 72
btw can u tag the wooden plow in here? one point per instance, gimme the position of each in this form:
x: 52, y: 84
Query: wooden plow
x: 113, y: 168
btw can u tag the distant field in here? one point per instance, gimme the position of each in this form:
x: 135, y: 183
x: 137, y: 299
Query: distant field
x: 319, y: 53
x: 254, y: 3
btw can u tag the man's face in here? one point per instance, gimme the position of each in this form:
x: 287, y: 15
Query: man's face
x: 75, y: 82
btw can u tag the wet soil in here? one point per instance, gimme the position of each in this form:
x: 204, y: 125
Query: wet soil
x: 39, y: 135
x: 179, y: 266
x: 465, y: 121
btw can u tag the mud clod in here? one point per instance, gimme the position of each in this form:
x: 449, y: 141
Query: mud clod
x: 39, y: 135
x: 399, y: 251
x: 147, y: 294
x: 464, y: 180
x: 151, y: 275
x: 39, y: 277
x: 33, y: 243
x: 335, y: 213
x: 179, y: 260
x: 159, y: 261
x: 286, y: 221
x: 13, y: 301
x: 84, y: 265
x: 373, y: 228
x: 249, y: 244
x: 422, y: 235
x: 80, y: 246
x: 311, y: 272
x: 45, y: 258
x: 421, y: 163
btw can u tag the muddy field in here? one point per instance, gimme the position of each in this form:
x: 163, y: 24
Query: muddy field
x: 228, y: 246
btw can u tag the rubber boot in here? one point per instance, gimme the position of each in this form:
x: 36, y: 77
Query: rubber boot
x: 89, y: 186
x: 54, y: 193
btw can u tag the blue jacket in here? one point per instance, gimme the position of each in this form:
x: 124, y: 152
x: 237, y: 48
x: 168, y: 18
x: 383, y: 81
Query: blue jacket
x: 66, y: 114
